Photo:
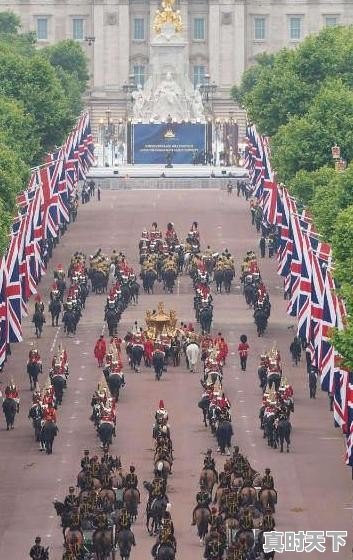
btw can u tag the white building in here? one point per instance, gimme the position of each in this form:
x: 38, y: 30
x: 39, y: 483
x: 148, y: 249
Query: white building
x: 223, y: 38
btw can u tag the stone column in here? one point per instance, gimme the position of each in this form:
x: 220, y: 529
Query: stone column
x: 240, y: 36
x: 98, y: 32
x: 123, y: 60
x: 214, y: 40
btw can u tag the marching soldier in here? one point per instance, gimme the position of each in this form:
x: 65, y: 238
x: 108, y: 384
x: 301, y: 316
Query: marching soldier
x: 85, y: 461
x: 38, y: 552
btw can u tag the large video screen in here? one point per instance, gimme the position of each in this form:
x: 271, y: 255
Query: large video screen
x: 179, y: 143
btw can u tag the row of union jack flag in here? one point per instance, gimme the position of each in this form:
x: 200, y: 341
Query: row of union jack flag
x: 305, y: 263
x: 42, y: 208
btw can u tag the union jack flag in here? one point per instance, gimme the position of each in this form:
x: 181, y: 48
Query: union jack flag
x: 13, y: 289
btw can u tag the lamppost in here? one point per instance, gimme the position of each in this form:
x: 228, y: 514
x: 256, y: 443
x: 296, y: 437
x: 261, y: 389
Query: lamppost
x: 207, y: 91
x: 108, y: 138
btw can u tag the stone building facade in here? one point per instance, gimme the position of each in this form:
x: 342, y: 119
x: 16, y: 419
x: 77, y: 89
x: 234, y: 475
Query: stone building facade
x: 223, y: 38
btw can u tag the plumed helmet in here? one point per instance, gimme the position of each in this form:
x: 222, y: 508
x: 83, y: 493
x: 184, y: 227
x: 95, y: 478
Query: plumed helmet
x: 161, y: 404
x: 243, y: 338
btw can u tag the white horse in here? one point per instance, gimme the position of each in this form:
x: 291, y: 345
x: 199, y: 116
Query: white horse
x: 192, y: 353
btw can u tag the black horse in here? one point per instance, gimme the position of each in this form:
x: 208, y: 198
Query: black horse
x: 154, y: 514
x: 158, y: 363
x: 283, y: 431
x: 55, y: 310
x: 105, y: 433
x: 205, y: 318
x: 136, y: 356
x: 33, y: 370
x: 228, y: 276
x: 59, y: 383
x: 148, y: 279
x: 9, y: 407
x: 260, y: 317
x: 114, y: 383
x: 48, y: 433
x: 126, y: 540
x: 70, y: 322
x: 38, y: 320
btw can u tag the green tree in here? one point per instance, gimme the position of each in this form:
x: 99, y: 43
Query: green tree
x: 69, y: 56
x: 10, y: 23
x: 251, y: 76
x: 18, y: 128
x: 304, y: 183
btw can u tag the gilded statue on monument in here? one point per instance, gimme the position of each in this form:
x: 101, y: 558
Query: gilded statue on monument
x: 167, y: 15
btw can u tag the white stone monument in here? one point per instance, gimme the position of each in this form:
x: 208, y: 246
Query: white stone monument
x: 168, y: 94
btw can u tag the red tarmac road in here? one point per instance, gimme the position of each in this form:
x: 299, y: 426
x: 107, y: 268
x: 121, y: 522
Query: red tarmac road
x: 314, y: 486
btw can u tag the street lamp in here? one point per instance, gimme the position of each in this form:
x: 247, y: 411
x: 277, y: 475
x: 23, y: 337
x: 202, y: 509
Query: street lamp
x: 207, y: 91
x: 128, y: 88
x: 107, y: 133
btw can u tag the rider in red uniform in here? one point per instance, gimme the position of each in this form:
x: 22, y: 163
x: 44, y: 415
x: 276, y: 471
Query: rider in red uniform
x: 49, y: 414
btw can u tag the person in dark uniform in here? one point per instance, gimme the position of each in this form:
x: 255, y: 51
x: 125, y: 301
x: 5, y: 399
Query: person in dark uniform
x: 131, y: 480
x: 85, y: 461
x: 209, y: 462
x: 267, y: 482
x: 38, y: 552
x: 71, y: 500
x: 203, y: 500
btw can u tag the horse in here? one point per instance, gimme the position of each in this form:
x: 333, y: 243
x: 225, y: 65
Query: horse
x: 218, y: 277
x: 131, y: 500
x: 70, y: 323
x: 59, y: 383
x: 204, y: 404
x: 102, y: 540
x: 134, y: 292
x: 114, y: 381
x: 249, y: 294
x: 192, y: 352
x: 74, y: 540
x: 165, y: 552
x: 155, y: 512
x: 105, y: 433
x: 202, y: 517
x: 158, y: 363
x: 169, y: 277
x: 247, y: 496
x: 148, y: 279
x: 205, y: 318
x: 9, y: 407
x: 48, y: 433
x: 283, y: 430
x: 55, y: 310
x: 112, y: 318
x: 136, y: 356
x: 107, y: 498
x: 38, y: 320
x: 164, y: 467
x: 208, y: 478
x: 268, y: 498
x: 33, y: 370
x: 228, y: 275
x: 125, y: 539
x: 260, y: 317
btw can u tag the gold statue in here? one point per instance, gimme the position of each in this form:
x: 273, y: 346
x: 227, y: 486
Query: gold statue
x: 167, y: 15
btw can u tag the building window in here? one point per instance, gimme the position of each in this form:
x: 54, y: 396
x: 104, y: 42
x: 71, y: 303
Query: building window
x: 199, y: 75
x: 77, y: 29
x: 139, y: 29
x: 42, y: 29
x: 259, y: 28
x: 295, y: 28
x: 199, y: 29
x: 139, y: 74
x: 330, y: 21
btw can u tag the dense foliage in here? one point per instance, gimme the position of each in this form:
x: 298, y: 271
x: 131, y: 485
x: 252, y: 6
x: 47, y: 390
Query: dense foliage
x: 40, y: 99
x: 303, y: 100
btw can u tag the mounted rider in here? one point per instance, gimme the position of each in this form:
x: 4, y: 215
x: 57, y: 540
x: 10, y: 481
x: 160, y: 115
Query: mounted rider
x: 209, y: 462
x: 171, y: 235
x: 71, y: 500
x: 49, y: 413
x: 267, y: 482
x: 161, y: 414
x: 131, y: 480
x: 167, y: 523
x: 11, y: 392
x: 203, y: 500
x: 155, y: 233
x: 164, y: 538
x: 38, y: 552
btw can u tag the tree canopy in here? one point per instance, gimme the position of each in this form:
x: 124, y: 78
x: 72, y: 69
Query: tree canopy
x: 40, y: 100
x: 303, y: 99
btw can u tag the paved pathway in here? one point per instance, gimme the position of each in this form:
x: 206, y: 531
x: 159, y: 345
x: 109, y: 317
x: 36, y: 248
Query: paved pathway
x: 313, y: 484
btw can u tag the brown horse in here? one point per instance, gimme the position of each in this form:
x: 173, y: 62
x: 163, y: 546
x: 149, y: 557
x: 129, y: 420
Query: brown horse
x: 131, y: 501
x: 208, y: 478
x: 102, y: 543
x: 163, y: 466
x: 73, y: 540
x: 81, y: 479
x: 202, y: 517
x: 108, y: 499
x: 268, y: 498
x: 248, y: 496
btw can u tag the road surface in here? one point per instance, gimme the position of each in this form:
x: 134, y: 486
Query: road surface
x: 314, y: 486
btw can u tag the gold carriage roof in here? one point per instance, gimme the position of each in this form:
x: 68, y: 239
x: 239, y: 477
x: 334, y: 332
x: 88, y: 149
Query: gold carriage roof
x: 161, y: 322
